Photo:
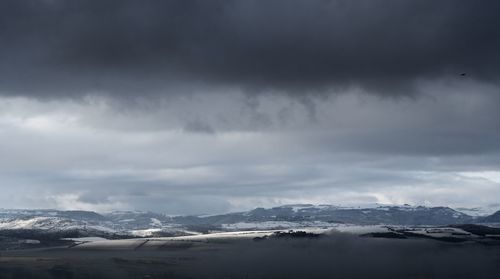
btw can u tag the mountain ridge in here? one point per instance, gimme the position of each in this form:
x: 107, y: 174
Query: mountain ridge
x: 146, y: 222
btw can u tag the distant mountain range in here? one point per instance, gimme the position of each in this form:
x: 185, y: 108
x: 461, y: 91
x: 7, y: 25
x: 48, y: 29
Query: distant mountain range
x: 133, y: 223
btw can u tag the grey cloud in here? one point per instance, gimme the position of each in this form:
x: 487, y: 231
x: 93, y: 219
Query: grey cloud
x: 68, y: 48
x: 198, y: 126
x: 197, y: 106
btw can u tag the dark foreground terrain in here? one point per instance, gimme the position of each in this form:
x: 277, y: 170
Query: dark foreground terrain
x: 337, y: 255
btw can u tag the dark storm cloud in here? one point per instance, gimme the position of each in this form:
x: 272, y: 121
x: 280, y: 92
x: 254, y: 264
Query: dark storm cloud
x: 62, y: 48
x: 213, y: 106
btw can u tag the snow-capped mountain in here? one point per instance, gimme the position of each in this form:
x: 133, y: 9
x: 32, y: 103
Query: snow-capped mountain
x: 493, y: 218
x: 68, y: 214
x: 138, y: 223
x: 51, y: 219
x: 138, y: 219
x: 118, y: 223
x: 51, y: 224
x: 396, y: 215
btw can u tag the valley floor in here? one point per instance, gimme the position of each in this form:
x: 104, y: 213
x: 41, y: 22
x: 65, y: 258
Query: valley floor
x: 262, y: 254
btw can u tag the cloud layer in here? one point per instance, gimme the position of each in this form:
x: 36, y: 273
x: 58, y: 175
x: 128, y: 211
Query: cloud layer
x: 214, y: 154
x: 203, y: 107
x: 67, y: 48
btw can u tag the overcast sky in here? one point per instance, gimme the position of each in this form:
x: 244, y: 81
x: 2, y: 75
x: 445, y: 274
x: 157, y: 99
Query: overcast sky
x: 188, y: 107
